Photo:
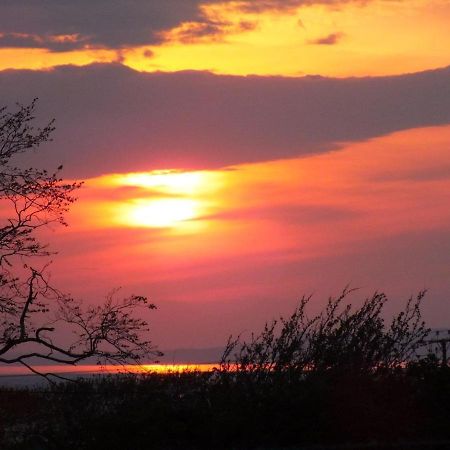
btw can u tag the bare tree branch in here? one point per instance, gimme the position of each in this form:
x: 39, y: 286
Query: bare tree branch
x: 35, y: 318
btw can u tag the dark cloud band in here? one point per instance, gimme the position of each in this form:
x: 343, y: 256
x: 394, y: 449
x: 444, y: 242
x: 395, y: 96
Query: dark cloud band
x: 113, y: 119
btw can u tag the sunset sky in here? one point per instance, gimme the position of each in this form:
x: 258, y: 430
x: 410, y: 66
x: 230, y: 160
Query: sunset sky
x: 239, y: 154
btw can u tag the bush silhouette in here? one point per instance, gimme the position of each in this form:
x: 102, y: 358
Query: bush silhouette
x: 340, y: 338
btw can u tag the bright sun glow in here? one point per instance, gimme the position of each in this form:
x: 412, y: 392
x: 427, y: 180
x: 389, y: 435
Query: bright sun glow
x: 161, y: 199
x: 162, y: 213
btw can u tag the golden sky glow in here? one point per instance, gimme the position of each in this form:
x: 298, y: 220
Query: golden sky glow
x: 372, y: 38
x: 356, y: 38
x: 37, y: 59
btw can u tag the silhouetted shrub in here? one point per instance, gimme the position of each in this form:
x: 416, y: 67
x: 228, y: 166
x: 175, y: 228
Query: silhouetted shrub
x: 340, y: 338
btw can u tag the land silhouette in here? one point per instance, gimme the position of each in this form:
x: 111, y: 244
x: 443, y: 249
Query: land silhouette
x: 341, y: 379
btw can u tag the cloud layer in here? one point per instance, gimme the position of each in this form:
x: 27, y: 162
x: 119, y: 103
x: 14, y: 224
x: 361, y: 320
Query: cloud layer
x: 113, y: 119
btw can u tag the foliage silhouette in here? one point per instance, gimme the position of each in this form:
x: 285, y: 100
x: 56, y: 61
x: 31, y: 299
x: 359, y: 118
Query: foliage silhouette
x: 32, y: 312
x: 340, y: 338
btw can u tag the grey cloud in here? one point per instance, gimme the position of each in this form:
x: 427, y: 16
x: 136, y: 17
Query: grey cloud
x: 331, y: 39
x: 257, y: 6
x: 422, y: 175
x: 148, y: 54
x: 113, y: 23
x: 99, y: 23
x: 212, y: 30
x: 197, y: 31
x: 113, y: 119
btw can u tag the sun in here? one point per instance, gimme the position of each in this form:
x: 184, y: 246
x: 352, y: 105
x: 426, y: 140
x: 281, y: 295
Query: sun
x: 163, y: 199
x: 162, y: 213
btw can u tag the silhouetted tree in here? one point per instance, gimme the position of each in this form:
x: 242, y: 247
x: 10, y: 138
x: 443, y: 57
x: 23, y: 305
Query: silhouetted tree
x: 32, y: 312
